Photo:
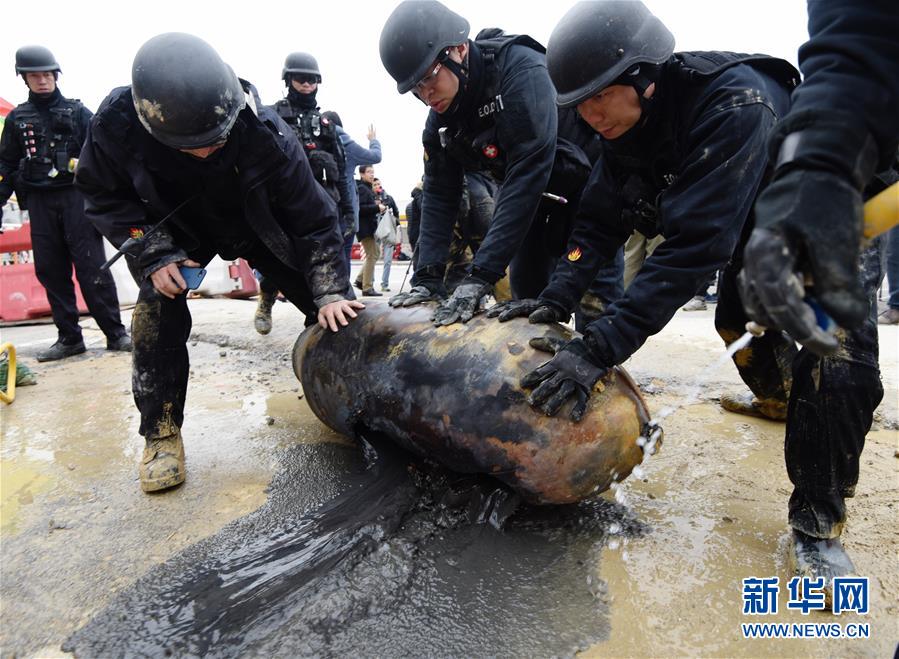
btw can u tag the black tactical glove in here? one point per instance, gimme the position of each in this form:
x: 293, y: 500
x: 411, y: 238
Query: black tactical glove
x: 572, y: 372
x: 809, y: 223
x: 537, y: 311
x: 417, y: 295
x: 464, y: 303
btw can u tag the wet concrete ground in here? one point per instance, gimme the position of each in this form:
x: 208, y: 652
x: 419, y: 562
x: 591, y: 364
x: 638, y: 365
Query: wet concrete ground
x: 84, y: 549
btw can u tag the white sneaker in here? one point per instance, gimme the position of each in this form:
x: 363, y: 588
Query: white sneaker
x: 696, y: 304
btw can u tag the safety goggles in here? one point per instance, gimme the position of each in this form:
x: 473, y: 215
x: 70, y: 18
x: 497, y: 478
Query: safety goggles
x: 304, y: 78
x: 428, y: 79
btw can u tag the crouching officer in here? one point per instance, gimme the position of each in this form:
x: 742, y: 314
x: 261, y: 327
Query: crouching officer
x: 492, y: 111
x: 323, y: 150
x: 842, y: 127
x: 188, y: 136
x: 39, y: 149
x: 686, y: 150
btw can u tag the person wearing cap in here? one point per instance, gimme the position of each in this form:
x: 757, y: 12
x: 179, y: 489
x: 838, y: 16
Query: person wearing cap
x: 189, y: 143
x: 491, y: 111
x: 318, y: 137
x: 39, y: 150
x: 685, y: 156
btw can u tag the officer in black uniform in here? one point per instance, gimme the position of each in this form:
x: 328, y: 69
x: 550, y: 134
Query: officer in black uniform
x: 190, y: 142
x: 491, y: 111
x: 318, y: 135
x: 685, y: 150
x: 38, y: 152
x: 842, y: 127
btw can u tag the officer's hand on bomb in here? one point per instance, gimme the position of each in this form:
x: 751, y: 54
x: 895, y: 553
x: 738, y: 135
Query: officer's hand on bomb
x: 808, y: 229
x: 464, y: 303
x: 571, y: 373
x: 418, y: 295
x: 537, y: 311
x: 168, y: 280
x: 338, y: 313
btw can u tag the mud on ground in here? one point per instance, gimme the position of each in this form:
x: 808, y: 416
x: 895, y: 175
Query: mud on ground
x: 76, y: 529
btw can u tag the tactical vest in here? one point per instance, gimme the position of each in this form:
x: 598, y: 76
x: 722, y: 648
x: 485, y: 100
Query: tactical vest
x: 320, y: 141
x: 642, y: 181
x: 50, y: 150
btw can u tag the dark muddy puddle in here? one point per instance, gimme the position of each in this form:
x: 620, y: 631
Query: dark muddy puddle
x: 373, y: 553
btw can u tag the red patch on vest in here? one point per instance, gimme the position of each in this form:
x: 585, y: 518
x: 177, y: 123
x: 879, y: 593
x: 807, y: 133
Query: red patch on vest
x: 490, y: 151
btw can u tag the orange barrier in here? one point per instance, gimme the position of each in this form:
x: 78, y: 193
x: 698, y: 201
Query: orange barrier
x: 21, y: 295
x: 357, y: 253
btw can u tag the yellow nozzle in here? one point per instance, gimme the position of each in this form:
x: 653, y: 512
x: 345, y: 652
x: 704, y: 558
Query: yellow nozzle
x: 882, y: 212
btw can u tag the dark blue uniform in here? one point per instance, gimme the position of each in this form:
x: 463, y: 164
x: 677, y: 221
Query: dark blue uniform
x: 255, y: 198
x: 40, y: 139
x: 692, y: 173
x: 506, y: 126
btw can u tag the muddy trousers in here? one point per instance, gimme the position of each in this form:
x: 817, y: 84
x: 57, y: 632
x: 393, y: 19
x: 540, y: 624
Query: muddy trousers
x: 831, y: 401
x: 62, y: 236
x: 160, y: 328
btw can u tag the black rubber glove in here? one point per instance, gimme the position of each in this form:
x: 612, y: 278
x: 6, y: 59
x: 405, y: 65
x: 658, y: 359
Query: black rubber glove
x: 572, y: 372
x: 774, y: 296
x: 809, y: 223
x: 537, y: 311
x: 464, y: 303
x: 417, y: 295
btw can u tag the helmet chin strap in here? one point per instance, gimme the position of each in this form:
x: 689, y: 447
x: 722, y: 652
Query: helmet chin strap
x: 461, y: 73
x: 640, y: 78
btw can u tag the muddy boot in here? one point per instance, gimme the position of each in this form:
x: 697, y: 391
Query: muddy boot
x: 163, y: 464
x: 60, y: 350
x: 746, y: 403
x: 262, y: 321
x: 818, y: 557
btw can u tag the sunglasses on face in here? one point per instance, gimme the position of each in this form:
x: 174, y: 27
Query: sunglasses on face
x: 305, y: 78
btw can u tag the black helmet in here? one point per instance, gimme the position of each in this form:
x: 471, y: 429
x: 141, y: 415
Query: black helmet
x: 300, y: 63
x: 597, y: 42
x: 185, y: 95
x: 35, y: 58
x: 415, y: 35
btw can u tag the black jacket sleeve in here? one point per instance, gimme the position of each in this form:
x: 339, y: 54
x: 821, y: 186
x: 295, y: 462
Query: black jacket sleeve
x: 309, y: 217
x: 526, y: 129
x: 345, y: 206
x: 443, y: 179
x: 10, y: 157
x: 113, y: 205
x: 851, y: 64
x: 703, y: 213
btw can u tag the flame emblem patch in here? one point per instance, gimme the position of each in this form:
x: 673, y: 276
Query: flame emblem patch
x: 575, y: 254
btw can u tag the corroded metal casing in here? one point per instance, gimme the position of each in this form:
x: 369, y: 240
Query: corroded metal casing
x: 452, y: 394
